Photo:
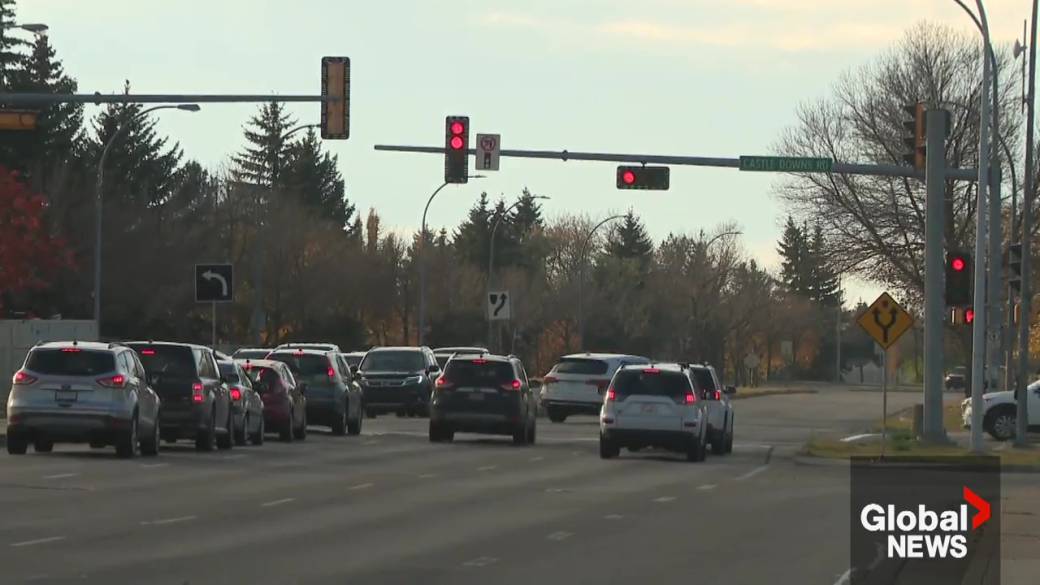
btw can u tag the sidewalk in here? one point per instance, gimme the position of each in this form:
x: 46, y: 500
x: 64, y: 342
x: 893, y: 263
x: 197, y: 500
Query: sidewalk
x: 1020, y: 547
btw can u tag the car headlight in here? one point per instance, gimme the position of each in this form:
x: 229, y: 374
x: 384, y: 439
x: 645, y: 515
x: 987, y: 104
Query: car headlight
x: 413, y: 380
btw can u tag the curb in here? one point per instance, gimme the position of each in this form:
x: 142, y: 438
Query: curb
x: 816, y: 461
x: 738, y: 396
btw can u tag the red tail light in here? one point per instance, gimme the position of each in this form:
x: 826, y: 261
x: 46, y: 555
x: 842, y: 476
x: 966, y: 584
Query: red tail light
x: 480, y: 361
x: 147, y: 352
x: 196, y: 392
x: 611, y: 395
x: 22, y: 379
x: 442, y: 383
x: 718, y: 395
x: 332, y: 373
x: 690, y: 398
x: 117, y: 381
x: 651, y: 371
x: 514, y: 385
x: 70, y: 350
x: 550, y: 380
x: 236, y: 394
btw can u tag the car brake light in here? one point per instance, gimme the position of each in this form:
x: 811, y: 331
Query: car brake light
x: 718, y: 395
x: 70, y: 350
x: 442, y: 383
x: 690, y: 398
x: 550, y: 380
x: 332, y: 373
x: 514, y: 385
x: 651, y: 371
x: 236, y: 394
x: 23, y: 379
x: 611, y: 395
x: 480, y: 361
x: 196, y: 392
x: 147, y: 352
x: 117, y: 381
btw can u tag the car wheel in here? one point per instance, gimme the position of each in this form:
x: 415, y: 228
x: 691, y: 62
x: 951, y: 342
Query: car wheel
x: 227, y: 440
x: 286, y: 433
x: 531, y: 433
x: 17, y: 446
x: 729, y: 438
x: 127, y: 446
x: 339, y: 426
x: 555, y: 415
x: 718, y: 443
x: 258, y: 436
x: 301, y: 432
x: 150, y: 446
x: 241, y: 432
x: 207, y: 440
x: 520, y: 436
x: 1000, y: 422
x: 696, y: 450
x: 607, y: 448
x: 354, y: 426
x: 436, y: 434
x: 43, y: 445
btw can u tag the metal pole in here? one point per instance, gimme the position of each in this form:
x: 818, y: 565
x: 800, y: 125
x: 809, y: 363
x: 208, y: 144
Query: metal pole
x: 993, y: 300
x: 98, y: 98
x: 581, y: 276
x: 884, y: 400
x: 1025, y: 313
x: 935, y: 169
x: 213, y: 333
x: 978, y: 342
x: 491, y: 265
x: 422, y: 267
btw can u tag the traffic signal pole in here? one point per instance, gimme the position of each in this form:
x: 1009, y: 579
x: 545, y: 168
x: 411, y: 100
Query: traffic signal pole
x: 993, y: 285
x: 978, y: 331
x: 935, y: 274
x: 1028, y: 195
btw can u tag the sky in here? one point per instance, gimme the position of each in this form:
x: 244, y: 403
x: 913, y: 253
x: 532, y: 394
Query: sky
x: 672, y: 77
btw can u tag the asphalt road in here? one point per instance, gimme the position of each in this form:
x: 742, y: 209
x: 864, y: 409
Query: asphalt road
x: 389, y: 507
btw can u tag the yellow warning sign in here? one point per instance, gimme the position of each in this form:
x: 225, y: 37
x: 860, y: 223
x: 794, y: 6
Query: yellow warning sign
x: 885, y: 321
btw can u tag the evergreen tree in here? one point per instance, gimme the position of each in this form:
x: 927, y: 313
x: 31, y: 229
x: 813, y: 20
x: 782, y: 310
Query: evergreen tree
x: 314, y: 176
x: 824, y: 287
x: 794, y: 252
x: 629, y: 240
x: 527, y: 215
x: 267, y: 154
x: 12, y: 48
x: 471, y: 237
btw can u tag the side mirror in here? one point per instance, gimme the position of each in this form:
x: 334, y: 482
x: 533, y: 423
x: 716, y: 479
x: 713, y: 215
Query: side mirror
x: 433, y: 369
x: 730, y: 390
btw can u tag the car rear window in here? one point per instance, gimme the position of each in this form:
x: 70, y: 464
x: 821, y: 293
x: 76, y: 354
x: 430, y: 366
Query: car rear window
x: 228, y: 370
x: 393, y: 361
x: 264, y: 379
x: 581, y: 367
x: 468, y: 372
x: 58, y: 362
x: 305, y: 365
x: 704, y: 380
x: 650, y: 382
x: 168, y: 360
x: 251, y: 354
x: 353, y: 360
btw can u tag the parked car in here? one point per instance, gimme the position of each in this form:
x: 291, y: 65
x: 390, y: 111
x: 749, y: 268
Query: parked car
x: 196, y: 403
x: 718, y: 406
x: 69, y: 391
x: 653, y: 405
x: 246, y: 405
x: 956, y: 379
x: 483, y: 394
x: 443, y: 354
x: 1000, y: 412
x: 576, y: 384
x: 251, y: 353
x: 285, y: 403
x: 333, y: 398
x: 398, y: 379
x: 316, y: 346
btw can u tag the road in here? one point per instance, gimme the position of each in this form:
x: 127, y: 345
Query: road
x: 389, y: 507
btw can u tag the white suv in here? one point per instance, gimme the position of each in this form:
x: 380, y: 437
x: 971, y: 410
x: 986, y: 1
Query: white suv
x: 999, y: 411
x: 576, y: 384
x: 718, y: 405
x: 653, y: 406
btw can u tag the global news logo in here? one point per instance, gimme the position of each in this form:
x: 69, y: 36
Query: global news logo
x: 923, y: 533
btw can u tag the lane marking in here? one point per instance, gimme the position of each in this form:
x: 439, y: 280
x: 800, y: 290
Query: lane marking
x: 487, y: 468
x: 154, y: 465
x: 613, y: 517
x: 38, y: 541
x: 845, y: 578
x: 427, y: 475
x: 556, y: 490
x: 60, y: 475
x: 480, y: 562
x: 372, y: 442
x: 362, y: 486
x: 752, y: 473
x: 664, y: 499
x: 561, y: 535
x: 277, y: 502
x: 539, y: 458
x: 707, y: 486
x: 165, y: 521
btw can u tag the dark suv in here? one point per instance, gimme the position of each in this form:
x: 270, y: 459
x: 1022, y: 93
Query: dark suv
x: 196, y: 403
x: 333, y: 398
x: 398, y: 379
x: 483, y: 394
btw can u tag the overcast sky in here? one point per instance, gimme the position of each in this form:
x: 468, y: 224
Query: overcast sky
x: 687, y: 77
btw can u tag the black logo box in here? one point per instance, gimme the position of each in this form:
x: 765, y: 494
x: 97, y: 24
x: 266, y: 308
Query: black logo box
x: 939, y: 486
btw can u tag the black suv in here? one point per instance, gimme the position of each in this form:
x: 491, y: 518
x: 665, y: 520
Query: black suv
x: 333, y: 398
x: 398, y: 379
x: 483, y: 394
x: 196, y: 403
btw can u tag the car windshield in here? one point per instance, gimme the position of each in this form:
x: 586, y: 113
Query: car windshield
x: 581, y: 367
x: 393, y: 361
x: 304, y: 366
x: 167, y: 360
x: 479, y: 373
x: 650, y: 382
x: 70, y: 362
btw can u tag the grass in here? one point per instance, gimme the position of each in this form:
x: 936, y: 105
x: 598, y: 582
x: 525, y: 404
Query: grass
x: 903, y: 420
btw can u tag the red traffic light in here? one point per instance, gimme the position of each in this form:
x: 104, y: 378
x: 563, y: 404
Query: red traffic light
x: 456, y: 142
x: 969, y: 316
x: 457, y: 128
x: 628, y: 177
x: 958, y: 264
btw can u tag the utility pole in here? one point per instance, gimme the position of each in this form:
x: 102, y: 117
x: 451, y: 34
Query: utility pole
x: 993, y: 301
x: 935, y: 274
x: 978, y: 335
x: 1025, y: 312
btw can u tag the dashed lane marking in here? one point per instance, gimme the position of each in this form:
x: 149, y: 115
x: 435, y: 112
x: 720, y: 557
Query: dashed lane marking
x: 480, y: 562
x: 613, y: 517
x: 60, y: 475
x: 752, y: 473
x: 664, y: 499
x: 277, y: 502
x: 153, y: 465
x: 487, y: 468
x: 362, y: 486
x: 534, y: 459
x: 707, y: 486
x: 165, y: 521
x: 38, y: 541
x: 561, y: 535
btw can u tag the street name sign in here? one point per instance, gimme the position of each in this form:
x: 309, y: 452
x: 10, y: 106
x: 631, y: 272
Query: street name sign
x: 786, y: 164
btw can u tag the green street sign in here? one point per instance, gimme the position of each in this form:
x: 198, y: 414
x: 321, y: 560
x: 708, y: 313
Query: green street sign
x: 786, y: 164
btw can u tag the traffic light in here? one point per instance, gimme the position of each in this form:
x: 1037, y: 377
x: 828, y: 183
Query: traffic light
x: 643, y: 177
x: 1015, y: 267
x: 958, y: 279
x: 335, y: 84
x: 456, y: 149
x: 915, y: 139
x: 969, y: 316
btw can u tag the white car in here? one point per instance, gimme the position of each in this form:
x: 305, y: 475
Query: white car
x: 999, y: 410
x: 718, y: 405
x: 653, y: 405
x: 577, y: 383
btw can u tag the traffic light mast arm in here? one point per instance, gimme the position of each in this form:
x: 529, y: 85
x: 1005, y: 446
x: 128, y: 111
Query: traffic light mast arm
x: 697, y: 161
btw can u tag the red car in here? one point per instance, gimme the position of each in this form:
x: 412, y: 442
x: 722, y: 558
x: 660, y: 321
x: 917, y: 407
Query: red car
x: 285, y: 401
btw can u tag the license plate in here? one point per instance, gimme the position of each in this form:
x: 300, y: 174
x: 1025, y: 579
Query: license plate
x: 476, y: 395
x: 65, y: 395
x: 649, y: 408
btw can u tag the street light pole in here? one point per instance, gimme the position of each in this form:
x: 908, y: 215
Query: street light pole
x: 1022, y: 426
x: 99, y: 199
x: 491, y: 256
x: 581, y: 276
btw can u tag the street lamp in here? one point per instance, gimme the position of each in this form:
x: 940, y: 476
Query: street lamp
x: 298, y: 129
x: 34, y: 27
x: 422, y: 260
x: 491, y: 252
x: 581, y: 275
x: 100, y: 199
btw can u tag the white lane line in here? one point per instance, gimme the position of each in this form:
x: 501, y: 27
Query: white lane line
x: 277, y: 502
x: 539, y: 458
x: 60, y: 475
x: 613, y: 517
x: 845, y: 578
x: 362, y: 486
x: 664, y: 499
x: 38, y: 541
x: 427, y: 475
x: 165, y: 521
x: 707, y: 486
x: 561, y: 535
x: 480, y: 562
x: 752, y: 473
x: 487, y: 468
x: 371, y: 442
x: 556, y: 490
x: 153, y: 465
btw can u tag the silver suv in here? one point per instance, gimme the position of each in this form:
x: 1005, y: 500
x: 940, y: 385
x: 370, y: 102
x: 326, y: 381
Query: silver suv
x: 76, y: 392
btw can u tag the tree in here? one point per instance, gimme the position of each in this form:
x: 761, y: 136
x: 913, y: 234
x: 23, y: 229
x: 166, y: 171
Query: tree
x: 874, y: 226
x: 472, y: 236
x: 11, y: 57
x: 267, y: 153
x: 629, y: 240
x: 313, y: 175
x: 824, y: 285
x: 794, y: 252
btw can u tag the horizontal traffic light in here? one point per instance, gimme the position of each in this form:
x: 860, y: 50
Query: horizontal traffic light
x: 642, y: 177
